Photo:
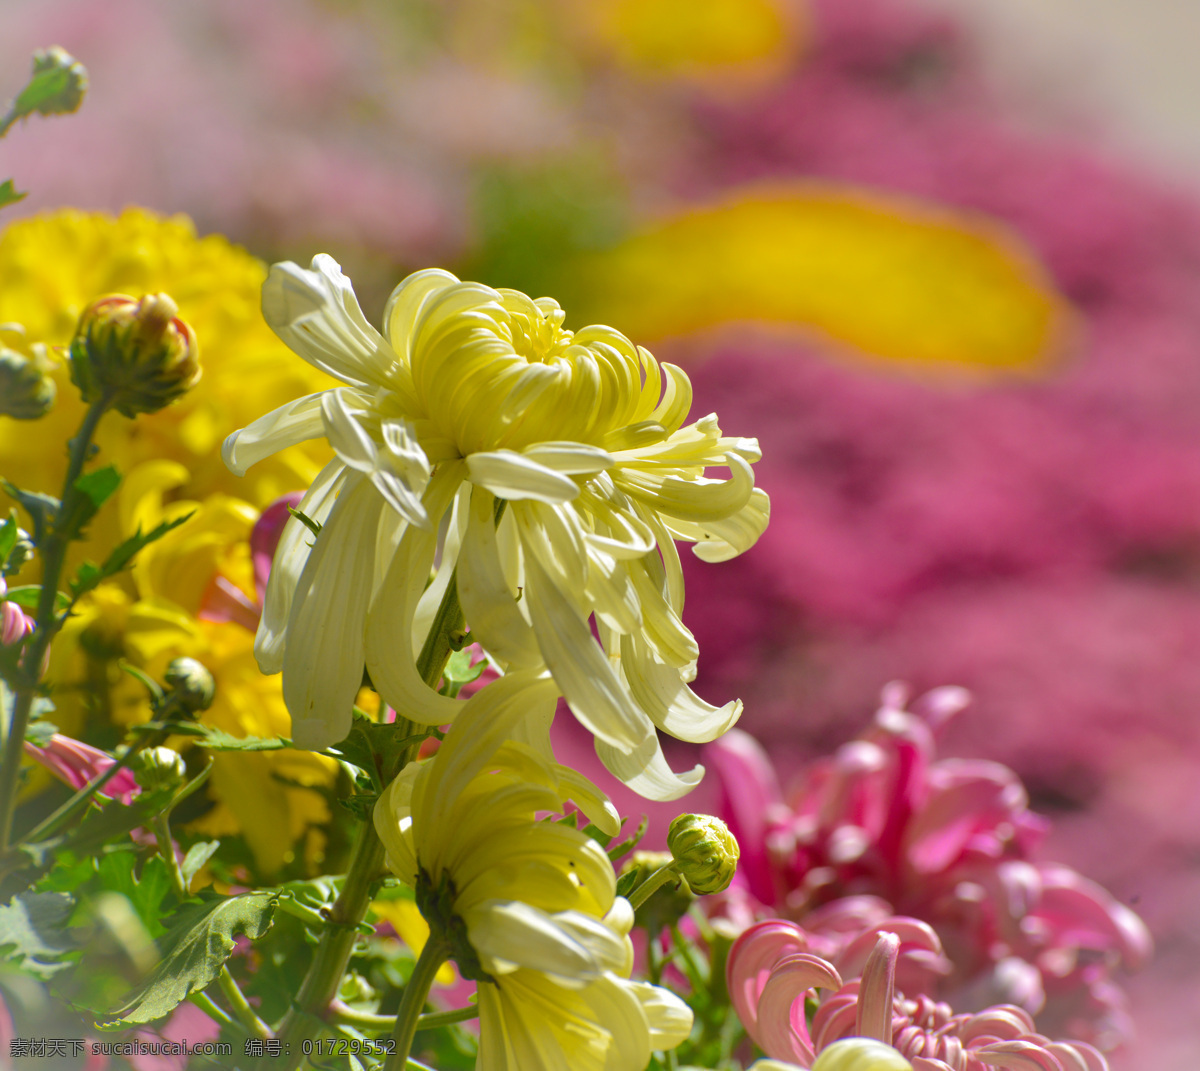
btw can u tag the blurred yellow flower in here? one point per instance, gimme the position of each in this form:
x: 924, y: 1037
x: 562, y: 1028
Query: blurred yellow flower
x: 53, y: 265
x: 894, y: 278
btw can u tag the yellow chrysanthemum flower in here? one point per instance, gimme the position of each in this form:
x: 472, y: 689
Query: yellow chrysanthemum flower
x: 480, y: 395
x: 258, y: 794
x: 53, y: 265
x: 527, y: 906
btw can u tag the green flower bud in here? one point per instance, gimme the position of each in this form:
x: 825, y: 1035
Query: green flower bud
x: 139, y: 354
x: 159, y: 767
x: 191, y: 684
x: 58, y: 86
x: 26, y: 391
x: 704, y: 850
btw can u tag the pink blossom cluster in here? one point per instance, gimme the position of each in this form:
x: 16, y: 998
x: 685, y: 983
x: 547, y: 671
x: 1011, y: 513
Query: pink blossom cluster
x: 772, y: 970
x: 884, y: 828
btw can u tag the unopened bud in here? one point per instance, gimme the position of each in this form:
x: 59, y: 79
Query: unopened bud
x: 704, y: 850
x: 191, y: 684
x: 138, y: 354
x: 159, y: 767
x: 58, y: 85
x: 26, y: 391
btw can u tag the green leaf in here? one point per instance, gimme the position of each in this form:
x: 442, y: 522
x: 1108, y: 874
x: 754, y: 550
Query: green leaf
x: 307, y: 521
x: 195, y: 951
x: 39, y: 732
x: 627, y: 881
x: 86, y: 577
x: 41, y: 508
x: 360, y: 806
x: 99, y: 485
x: 9, y: 194
x: 197, y: 855
x: 219, y: 740
x: 629, y: 843
x: 27, y: 596
x: 124, y: 552
x: 42, y: 91
x: 459, y: 669
x: 8, y: 537
x: 33, y: 930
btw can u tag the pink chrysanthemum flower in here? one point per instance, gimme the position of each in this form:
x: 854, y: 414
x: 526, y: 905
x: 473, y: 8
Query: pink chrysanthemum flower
x: 771, y: 972
x: 883, y: 827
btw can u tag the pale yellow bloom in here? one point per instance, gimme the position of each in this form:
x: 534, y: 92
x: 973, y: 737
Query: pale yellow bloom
x: 850, y: 1054
x: 478, y: 395
x: 527, y: 904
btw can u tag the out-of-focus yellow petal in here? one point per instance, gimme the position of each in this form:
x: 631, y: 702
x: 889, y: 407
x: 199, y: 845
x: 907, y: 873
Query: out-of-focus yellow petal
x: 53, y: 265
x: 894, y: 278
x: 698, y: 38
x: 413, y: 930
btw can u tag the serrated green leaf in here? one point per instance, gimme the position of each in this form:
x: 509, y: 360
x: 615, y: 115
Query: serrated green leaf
x: 33, y: 930
x: 627, y: 845
x: 124, y: 552
x: 99, y: 484
x: 219, y: 740
x: 197, y: 855
x: 627, y: 882
x: 9, y: 194
x: 195, y: 951
x: 360, y: 806
x: 145, y: 891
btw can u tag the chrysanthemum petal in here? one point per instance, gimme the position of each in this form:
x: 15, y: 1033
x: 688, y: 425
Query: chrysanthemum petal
x: 507, y: 474
x: 277, y: 430
x: 322, y: 664
x: 669, y: 702
x: 645, y: 770
x: 510, y: 934
x: 318, y: 317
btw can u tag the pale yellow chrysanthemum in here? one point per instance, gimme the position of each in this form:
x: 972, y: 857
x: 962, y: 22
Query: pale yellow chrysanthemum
x: 53, y: 265
x: 527, y: 906
x: 478, y: 395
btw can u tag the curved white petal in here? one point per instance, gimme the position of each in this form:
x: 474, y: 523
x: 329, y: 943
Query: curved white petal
x: 645, y: 770
x: 509, y: 935
x: 580, y: 668
x: 389, y: 632
x: 669, y: 1018
x: 700, y: 499
x: 286, y: 426
x: 323, y: 661
x: 291, y: 555
x: 317, y: 316
x: 487, y: 601
x: 570, y: 458
x: 720, y: 540
x: 670, y: 703
x: 514, y: 476
x: 406, y: 302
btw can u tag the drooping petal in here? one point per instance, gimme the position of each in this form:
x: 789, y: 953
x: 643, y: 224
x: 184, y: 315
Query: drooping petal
x: 317, y: 316
x: 669, y: 1018
x: 781, y: 1012
x: 645, y: 770
x: 510, y: 935
x: 514, y: 476
x: 323, y: 661
x: 670, y: 703
x: 283, y: 427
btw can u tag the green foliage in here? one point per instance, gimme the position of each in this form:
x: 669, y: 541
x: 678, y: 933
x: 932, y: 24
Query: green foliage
x: 9, y: 194
x: 33, y: 931
x: 194, y: 952
x: 42, y: 509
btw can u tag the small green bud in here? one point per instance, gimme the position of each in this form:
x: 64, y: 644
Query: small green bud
x: 190, y: 684
x: 26, y: 391
x: 58, y: 85
x: 159, y: 767
x: 139, y: 354
x: 704, y: 851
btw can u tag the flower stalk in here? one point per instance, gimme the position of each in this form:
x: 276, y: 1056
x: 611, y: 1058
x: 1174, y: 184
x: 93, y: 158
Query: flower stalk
x: 408, y: 1018
x: 47, y: 622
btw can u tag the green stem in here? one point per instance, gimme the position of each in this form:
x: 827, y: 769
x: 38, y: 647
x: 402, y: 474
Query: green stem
x: 432, y: 956
x: 54, y: 553
x: 211, y: 1008
x: 429, y: 1021
x: 652, y: 884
